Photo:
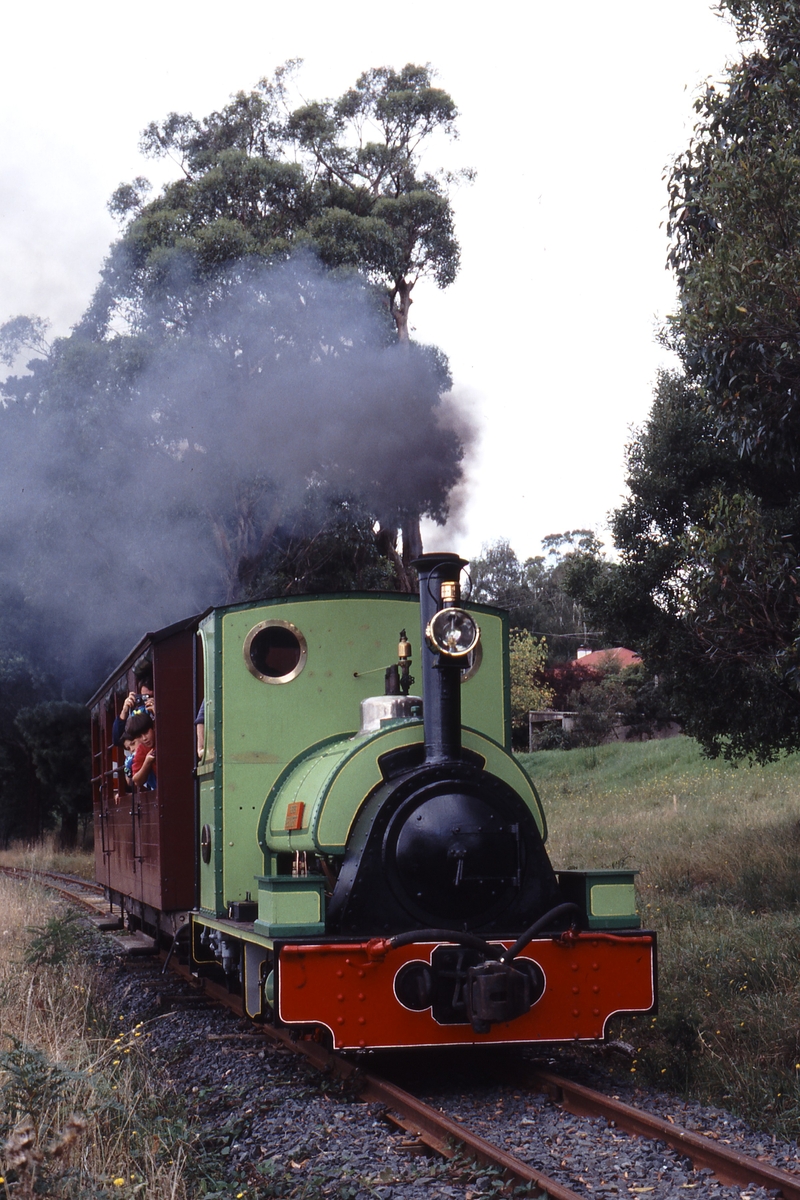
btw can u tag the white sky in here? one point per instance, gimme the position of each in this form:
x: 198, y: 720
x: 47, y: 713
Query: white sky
x: 569, y: 113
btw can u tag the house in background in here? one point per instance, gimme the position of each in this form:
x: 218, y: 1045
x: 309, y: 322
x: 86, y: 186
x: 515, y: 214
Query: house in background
x: 617, y: 658
x: 592, y: 723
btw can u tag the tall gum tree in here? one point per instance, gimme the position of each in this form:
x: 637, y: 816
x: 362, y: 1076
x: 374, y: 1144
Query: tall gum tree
x: 708, y: 581
x: 343, y: 178
x: 236, y: 395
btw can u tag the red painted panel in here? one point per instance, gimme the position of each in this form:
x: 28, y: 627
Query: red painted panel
x: 588, y: 979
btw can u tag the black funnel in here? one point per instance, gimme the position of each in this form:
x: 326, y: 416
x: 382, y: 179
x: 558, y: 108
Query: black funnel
x: 441, y: 675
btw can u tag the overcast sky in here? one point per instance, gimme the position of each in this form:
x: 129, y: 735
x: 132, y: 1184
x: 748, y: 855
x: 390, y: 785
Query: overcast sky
x: 569, y: 114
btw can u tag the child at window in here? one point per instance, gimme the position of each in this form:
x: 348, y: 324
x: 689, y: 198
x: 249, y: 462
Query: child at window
x: 140, y: 728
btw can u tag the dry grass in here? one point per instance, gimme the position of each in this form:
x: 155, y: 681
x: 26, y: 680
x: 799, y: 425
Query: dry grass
x: 46, y: 856
x: 78, y: 1104
x: 718, y: 851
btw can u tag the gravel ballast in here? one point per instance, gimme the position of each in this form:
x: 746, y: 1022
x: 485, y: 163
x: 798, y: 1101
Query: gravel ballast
x: 272, y: 1125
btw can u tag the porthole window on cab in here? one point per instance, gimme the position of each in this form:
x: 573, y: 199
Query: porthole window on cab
x: 275, y: 651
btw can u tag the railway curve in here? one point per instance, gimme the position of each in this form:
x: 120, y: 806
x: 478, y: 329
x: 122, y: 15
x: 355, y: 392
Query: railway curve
x: 444, y: 1123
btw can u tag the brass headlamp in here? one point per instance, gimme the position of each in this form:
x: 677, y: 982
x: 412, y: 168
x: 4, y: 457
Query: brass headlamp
x: 452, y: 632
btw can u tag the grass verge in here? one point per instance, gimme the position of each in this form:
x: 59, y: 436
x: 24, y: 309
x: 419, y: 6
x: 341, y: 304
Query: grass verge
x: 47, y: 856
x: 80, y: 1114
x: 718, y: 851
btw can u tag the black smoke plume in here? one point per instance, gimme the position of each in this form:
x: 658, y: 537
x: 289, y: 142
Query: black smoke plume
x: 146, y: 470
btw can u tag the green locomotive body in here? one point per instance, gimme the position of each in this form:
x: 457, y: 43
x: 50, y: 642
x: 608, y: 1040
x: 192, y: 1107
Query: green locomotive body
x: 269, y: 737
x: 367, y: 862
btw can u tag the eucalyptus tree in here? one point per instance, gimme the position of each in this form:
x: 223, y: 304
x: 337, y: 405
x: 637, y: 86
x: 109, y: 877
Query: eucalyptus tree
x: 259, y: 181
x: 707, y: 586
x: 344, y: 177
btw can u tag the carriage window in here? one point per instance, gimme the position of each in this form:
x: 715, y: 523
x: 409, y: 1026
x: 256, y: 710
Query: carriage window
x: 275, y: 651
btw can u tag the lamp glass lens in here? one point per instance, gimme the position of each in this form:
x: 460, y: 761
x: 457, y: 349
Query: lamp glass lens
x: 453, y: 632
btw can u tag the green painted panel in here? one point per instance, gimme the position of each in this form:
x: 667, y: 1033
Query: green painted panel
x: 613, y: 900
x: 350, y: 641
x: 243, y: 801
x: 211, y: 872
x: 293, y: 903
x: 263, y: 727
x: 344, y: 636
x: 306, y: 785
x: 356, y: 778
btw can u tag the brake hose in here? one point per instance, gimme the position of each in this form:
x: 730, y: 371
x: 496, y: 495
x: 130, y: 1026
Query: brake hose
x: 443, y: 935
x: 474, y: 942
x: 560, y: 910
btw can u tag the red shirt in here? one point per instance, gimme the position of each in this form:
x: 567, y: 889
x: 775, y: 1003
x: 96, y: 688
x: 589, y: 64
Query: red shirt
x: 139, y: 755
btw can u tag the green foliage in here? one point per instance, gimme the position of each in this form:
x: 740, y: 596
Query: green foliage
x: 24, y: 810
x: 56, y: 735
x: 718, y: 855
x: 706, y: 587
x: 533, y: 592
x: 44, y: 744
x: 258, y: 180
x: 23, y: 334
x: 734, y: 220
x: 527, y: 658
x: 30, y: 1082
x: 620, y: 698
x: 56, y: 941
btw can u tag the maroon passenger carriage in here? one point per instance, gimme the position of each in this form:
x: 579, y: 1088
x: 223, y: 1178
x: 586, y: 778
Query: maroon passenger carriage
x: 144, y: 839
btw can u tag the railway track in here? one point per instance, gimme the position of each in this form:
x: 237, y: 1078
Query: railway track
x: 84, y: 893
x: 447, y: 1135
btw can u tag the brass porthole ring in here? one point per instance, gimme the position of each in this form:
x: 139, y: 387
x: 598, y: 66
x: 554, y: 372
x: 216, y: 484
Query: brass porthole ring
x: 275, y: 651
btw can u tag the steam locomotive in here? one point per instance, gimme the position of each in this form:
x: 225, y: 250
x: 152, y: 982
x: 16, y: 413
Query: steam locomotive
x: 368, y: 867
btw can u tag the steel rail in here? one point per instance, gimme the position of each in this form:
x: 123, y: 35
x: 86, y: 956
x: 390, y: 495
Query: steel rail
x: 35, y: 873
x: 83, y: 892
x: 442, y: 1134
x: 59, y: 881
x: 730, y: 1166
x: 433, y: 1128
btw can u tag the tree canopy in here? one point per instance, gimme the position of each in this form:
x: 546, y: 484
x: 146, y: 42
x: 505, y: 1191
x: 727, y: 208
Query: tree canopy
x: 533, y: 591
x: 237, y: 385
x: 527, y: 658
x: 707, y: 587
x: 241, y: 409
x: 341, y: 177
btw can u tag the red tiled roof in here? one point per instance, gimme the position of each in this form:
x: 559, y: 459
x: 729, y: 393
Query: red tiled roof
x: 618, y: 656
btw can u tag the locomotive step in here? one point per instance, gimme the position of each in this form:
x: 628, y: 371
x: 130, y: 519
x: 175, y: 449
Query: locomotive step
x: 106, y: 922
x: 135, y: 943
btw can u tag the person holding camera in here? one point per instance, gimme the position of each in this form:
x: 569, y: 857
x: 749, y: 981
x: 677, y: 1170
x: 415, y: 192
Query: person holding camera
x: 141, y: 701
